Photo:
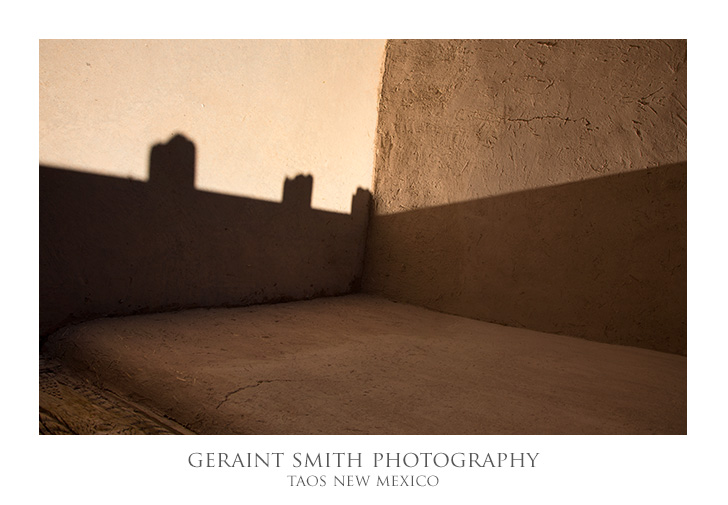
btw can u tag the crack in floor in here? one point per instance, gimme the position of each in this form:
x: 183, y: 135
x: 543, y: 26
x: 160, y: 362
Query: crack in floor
x: 258, y: 383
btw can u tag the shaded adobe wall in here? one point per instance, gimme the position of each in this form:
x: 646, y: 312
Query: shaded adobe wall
x: 536, y: 183
x: 111, y: 246
x: 163, y: 166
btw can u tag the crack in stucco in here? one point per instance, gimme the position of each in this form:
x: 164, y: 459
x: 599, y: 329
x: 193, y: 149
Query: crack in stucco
x: 528, y: 120
x: 556, y: 117
x: 550, y: 82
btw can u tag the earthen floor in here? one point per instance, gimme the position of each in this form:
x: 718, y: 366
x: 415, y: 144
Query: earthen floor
x: 356, y: 364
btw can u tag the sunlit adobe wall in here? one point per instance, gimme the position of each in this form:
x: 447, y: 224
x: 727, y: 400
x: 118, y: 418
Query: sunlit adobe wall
x: 258, y: 111
x: 536, y: 183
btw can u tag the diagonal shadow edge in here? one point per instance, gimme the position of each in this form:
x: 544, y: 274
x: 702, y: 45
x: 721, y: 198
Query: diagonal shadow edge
x: 603, y: 259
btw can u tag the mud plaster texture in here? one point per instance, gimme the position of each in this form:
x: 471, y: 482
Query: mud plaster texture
x: 536, y: 184
x: 361, y: 364
x: 539, y: 184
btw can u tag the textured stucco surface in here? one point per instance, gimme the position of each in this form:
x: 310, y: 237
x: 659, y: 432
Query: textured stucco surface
x: 536, y: 183
x: 258, y: 111
x: 461, y: 120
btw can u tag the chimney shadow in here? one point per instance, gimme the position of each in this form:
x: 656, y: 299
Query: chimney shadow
x: 111, y: 246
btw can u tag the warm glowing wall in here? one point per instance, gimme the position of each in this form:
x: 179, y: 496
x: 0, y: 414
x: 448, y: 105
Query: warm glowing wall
x: 536, y: 183
x: 257, y: 111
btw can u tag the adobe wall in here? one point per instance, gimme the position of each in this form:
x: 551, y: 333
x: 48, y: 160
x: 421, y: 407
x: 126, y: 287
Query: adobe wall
x: 536, y: 183
x: 258, y: 111
x: 202, y: 173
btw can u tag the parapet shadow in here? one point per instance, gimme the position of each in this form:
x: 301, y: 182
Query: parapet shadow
x: 604, y: 259
x: 110, y: 246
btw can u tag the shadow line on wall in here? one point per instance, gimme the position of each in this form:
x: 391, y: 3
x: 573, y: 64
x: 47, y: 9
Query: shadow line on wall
x: 111, y: 246
x: 604, y: 259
